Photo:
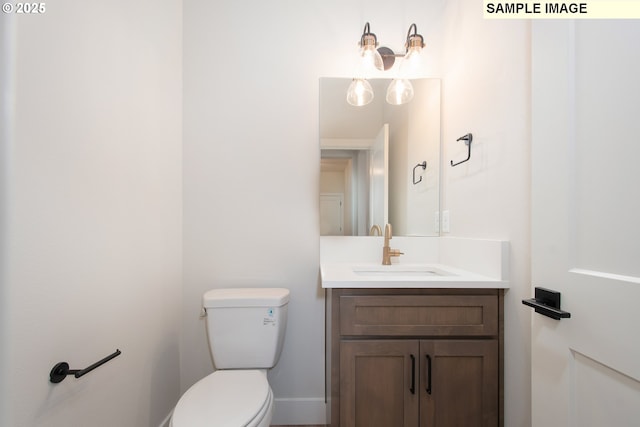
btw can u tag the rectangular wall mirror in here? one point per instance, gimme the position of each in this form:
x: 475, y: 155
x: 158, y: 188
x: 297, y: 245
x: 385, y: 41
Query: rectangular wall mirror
x: 372, y: 160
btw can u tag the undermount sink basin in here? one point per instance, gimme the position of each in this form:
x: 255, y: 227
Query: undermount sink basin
x: 399, y: 270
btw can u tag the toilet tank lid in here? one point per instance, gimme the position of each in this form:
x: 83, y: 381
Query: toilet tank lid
x: 246, y: 297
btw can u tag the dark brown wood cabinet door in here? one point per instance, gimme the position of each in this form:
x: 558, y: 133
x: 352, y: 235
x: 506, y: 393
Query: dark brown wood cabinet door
x: 459, y: 383
x: 376, y: 379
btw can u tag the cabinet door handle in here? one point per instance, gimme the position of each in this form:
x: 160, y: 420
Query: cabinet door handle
x: 413, y: 374
x: 428, y: 374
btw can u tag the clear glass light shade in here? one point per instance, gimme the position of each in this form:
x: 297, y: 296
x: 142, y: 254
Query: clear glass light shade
x: 399, y: 92
x: 371, y: 58
x: 412, y: 62
x: 359, y: 93
x: 413, y: 53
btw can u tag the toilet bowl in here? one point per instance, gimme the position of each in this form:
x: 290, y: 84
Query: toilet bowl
x: 246, y: 330
x: 226, y: 399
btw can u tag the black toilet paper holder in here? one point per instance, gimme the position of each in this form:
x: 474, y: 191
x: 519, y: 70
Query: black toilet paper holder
x: 60, y: 371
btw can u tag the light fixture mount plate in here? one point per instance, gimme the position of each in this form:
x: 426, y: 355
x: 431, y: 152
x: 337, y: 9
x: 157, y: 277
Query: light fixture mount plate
x: 388, y: 57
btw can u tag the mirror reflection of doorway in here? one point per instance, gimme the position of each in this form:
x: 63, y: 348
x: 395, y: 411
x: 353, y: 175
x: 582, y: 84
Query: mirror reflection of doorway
x: 359, y: 171
x: 331, y: 214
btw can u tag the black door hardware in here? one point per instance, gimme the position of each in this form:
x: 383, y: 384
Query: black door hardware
x: 547, y: 303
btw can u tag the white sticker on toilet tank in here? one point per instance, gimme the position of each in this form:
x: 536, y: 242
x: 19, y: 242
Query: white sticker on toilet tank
x: 269, y: 319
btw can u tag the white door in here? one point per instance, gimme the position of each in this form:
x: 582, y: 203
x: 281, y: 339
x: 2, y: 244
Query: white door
x: 331, y: 214
x: 379, y: 179
x: 586, y: 221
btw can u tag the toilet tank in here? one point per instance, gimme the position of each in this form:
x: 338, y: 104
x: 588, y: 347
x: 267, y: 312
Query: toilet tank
x: 246, y: 326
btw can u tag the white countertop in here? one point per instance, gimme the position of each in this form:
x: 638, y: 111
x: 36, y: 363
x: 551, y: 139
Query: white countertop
x: 370, y: 275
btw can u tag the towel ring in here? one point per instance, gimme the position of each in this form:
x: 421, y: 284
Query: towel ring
x: 423, y: 165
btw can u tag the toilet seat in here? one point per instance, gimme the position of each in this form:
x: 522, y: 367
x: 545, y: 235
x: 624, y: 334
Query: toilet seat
x: 226, y: 398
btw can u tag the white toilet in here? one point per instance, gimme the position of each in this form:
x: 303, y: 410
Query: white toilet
x: 246, y: 328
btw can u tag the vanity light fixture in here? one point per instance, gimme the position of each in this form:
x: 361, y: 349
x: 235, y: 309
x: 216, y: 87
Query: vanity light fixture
x: 400, y: 91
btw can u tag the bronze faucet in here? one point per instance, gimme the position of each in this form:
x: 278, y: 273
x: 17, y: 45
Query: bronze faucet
x: 387, y: 252
x: 375, y: 230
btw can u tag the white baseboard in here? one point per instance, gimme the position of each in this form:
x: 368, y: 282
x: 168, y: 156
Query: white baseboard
x: 299, y: 411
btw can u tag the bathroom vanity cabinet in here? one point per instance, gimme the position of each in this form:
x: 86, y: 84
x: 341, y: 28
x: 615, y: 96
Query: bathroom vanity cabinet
x: 415, y: 357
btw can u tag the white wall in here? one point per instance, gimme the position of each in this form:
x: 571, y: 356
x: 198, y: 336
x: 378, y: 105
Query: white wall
x: 486, y: 91
x: 91, y: 184
x: 251, y: 158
